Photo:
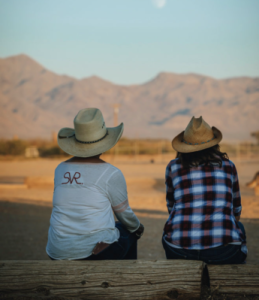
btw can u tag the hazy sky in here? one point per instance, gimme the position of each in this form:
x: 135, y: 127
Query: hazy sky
x: 130, y: 41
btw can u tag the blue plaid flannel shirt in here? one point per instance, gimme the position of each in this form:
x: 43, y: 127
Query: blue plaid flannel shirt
x: 202, y: 204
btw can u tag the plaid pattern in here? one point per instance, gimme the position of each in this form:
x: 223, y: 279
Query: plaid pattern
x: 202, y: 203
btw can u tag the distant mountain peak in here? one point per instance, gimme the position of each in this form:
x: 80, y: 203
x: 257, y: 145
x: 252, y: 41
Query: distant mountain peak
x: 35, y: 101
x: 96, y: 81
x: 22, y: 58
x: 166, y: 78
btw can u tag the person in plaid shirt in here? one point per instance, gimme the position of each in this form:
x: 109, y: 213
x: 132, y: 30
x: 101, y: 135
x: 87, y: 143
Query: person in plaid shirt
x: 203, y: 200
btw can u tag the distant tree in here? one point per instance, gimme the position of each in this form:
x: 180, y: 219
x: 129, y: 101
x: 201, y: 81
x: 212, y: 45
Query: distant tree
x: 14, y: 147
x: 256, y: 136
x: 51, y: 152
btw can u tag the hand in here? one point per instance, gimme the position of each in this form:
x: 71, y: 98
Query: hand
x: 237, y: 218
x: 139, y: 231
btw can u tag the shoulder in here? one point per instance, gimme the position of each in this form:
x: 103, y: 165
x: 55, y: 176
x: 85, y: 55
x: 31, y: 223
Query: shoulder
x: 172, y: 164
x: 172, y: 167
x: 228, y: 164
x: 60, y: 167
x: 114, y: 171
x: 113, y: 168
x: 116, y: 180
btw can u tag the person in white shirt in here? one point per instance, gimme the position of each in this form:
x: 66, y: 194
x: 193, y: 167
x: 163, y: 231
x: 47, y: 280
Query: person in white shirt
x: 86, y: 194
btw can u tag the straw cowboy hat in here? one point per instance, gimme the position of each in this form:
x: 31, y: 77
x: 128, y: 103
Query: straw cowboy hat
x: 90, y: 136
x: 197, y: 136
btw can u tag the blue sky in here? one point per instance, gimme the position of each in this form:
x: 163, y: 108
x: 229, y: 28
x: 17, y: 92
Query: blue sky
x: 131, y: 41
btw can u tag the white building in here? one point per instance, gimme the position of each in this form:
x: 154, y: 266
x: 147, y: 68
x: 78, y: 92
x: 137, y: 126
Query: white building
x: 31, y: 152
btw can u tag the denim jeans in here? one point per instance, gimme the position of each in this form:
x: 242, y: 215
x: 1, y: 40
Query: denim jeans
x: 124, y: 248
x: 227, y: 254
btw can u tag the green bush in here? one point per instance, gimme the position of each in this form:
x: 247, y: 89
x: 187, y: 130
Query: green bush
x: 53, y: 151
x: 16, y: 147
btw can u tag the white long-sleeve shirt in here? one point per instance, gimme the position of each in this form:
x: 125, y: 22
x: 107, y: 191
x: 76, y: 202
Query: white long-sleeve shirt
x: 85, y: 196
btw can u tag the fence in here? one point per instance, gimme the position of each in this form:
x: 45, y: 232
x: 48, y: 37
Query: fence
x: 162, y: 150
x: 133, y: 148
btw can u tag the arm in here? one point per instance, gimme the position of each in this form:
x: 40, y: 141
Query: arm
x: 236, y: 195
x: 117, y: 193
x: 169, y: 189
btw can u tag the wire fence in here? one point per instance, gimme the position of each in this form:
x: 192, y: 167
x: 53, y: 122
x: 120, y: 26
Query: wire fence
x: 162, y: 150
x: 131, y: 148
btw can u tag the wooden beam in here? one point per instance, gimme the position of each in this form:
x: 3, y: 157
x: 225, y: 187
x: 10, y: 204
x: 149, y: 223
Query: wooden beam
x: 234, y: 279
x: 131, y: 279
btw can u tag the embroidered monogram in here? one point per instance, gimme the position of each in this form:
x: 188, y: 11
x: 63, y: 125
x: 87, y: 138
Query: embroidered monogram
x: 76, y: 176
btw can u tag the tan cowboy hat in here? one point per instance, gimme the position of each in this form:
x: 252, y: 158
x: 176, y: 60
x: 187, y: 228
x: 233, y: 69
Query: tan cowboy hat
x: 197, y: 136
x: 90, y: 136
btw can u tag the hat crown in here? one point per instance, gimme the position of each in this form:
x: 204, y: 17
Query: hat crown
x: 89, y: 125
x: 197, y: 131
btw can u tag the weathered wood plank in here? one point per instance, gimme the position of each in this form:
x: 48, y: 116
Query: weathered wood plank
x: 234, y: 279
x: 95, y: 280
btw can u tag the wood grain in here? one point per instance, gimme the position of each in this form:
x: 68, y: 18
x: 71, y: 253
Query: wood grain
x: 136, y: 279
x: 234, y: 279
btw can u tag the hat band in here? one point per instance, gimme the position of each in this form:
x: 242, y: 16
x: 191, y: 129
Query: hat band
x: 73, y: 135
x: 199, y: 143
x: 92, y: 141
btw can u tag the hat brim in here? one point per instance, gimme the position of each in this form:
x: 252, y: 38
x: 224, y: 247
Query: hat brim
x: 71, y: 146
x: 182, y: 147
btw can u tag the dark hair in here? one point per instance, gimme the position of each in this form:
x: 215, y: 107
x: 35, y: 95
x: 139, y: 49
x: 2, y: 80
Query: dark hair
x: 206, y: 156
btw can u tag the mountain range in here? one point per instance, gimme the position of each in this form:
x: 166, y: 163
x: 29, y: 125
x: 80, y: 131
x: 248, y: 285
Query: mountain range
x: 35, y: 101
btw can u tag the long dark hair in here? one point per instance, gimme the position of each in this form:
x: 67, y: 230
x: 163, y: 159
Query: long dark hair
x: 206, y: 156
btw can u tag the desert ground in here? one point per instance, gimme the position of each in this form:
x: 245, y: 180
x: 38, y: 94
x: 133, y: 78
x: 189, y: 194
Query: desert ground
x: 25, y: 209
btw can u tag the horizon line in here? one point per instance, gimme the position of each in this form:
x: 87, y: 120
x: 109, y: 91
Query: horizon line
x: 191, y: 73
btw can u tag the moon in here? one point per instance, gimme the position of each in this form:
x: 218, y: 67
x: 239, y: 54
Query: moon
x: 159, y: 3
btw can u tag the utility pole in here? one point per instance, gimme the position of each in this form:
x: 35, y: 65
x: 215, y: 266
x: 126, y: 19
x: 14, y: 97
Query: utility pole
x: 54, y: 137
x: 115, y: 113
x: 115, y: 118
x: 136, y: 148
